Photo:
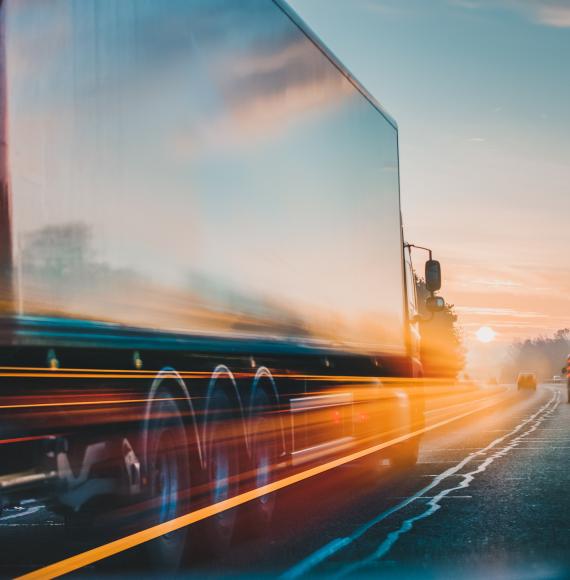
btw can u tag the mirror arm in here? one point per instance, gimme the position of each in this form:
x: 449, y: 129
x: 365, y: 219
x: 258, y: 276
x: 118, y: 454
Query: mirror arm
x: 420, y: 248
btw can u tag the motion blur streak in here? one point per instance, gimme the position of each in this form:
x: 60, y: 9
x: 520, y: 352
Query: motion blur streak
x: 41, y: 372
x: 23, y: 439
x: 100, y: 553
x: 79, y: 403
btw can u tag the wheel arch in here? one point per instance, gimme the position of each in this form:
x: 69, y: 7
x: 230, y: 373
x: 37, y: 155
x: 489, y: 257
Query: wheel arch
x: 223, y: 375
x: 170, y: 377
x: 263, y: 376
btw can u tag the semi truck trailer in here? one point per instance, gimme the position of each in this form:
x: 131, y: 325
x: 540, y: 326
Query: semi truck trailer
x: 204, y: 285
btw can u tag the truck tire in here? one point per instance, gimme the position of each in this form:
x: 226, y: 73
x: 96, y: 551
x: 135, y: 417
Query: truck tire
x: 168, y: 473
x: 223, y: 449
x: 265, y: 445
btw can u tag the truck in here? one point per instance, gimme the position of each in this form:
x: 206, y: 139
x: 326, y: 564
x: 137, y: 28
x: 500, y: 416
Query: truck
x: 204, y: 284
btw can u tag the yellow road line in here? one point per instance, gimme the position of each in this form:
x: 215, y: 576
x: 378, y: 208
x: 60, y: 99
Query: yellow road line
x: 85, y: 403
x: 111, y: 549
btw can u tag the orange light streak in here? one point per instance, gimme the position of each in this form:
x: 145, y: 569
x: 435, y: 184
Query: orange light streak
x: 42, y: 372
x: 84, y: 403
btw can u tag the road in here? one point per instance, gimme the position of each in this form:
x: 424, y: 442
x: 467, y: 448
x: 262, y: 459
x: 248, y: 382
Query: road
x: 486, y: 499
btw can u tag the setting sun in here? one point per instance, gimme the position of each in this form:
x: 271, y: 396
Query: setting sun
x: 486, y: 334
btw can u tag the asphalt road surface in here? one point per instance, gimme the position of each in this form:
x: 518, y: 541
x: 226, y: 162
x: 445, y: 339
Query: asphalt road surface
x: 488, y: 499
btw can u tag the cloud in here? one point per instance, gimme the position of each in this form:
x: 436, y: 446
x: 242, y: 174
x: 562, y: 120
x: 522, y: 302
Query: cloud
x: 508, y: 312
x: 554, y: 13
x: 557, y: 16
x: 264, y: 92
x: 497, y: 283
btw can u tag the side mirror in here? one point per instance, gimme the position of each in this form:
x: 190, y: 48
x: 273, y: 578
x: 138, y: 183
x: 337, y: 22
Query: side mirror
x: 435, y: 304
x: 433, y: 275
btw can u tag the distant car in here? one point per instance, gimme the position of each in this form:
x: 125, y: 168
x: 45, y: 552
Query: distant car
x: 557, y: 379
x: 527, y: 380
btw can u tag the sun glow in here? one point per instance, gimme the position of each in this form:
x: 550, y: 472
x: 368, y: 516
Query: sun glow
x: 485, y: 334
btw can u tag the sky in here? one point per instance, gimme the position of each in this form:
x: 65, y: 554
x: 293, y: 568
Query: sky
x: 481, y: 93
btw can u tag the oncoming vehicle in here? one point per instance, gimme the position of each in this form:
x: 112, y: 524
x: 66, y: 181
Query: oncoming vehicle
x: 204, y: 282
x: 527, y: 380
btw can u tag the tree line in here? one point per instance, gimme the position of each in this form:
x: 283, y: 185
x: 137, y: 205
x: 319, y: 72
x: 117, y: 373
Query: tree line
x: 546, y: 356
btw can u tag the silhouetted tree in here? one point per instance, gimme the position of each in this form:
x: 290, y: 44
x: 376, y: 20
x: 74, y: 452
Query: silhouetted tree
x: 544, y: 355
x: 442, y: 350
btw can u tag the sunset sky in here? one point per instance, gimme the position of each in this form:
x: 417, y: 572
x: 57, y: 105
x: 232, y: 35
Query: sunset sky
x: 481, y: 93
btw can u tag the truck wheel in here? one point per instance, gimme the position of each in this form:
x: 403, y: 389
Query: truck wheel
x: 264, y: 459
x: 168, y: 472
x: 223, y: 446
